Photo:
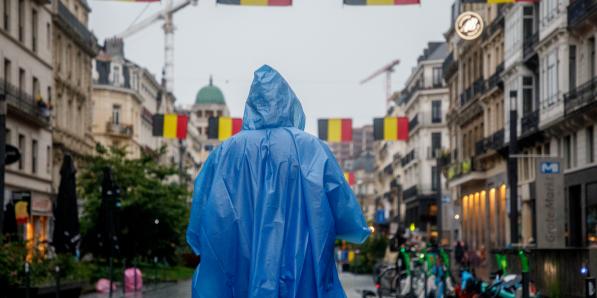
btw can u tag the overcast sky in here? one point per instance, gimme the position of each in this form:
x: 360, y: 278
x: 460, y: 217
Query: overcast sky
x: 324, y: 49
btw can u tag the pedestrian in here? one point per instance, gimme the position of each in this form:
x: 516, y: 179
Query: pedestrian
x: 459, y: 252
x: 269, y: 204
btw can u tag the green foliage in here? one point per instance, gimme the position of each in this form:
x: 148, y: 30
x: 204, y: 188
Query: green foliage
x: 41, y: 269
x: 148, y: 195
x: 373, y: 250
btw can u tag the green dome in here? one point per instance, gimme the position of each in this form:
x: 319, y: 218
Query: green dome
x: 210, y: 94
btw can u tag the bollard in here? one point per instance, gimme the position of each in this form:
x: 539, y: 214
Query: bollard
x: 57, y: 271
x: 590, y: 290
x: 27, y: 281
x: 524, y: 265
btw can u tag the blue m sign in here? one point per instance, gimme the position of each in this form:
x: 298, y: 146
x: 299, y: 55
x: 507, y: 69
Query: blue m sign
x: 549, y: 167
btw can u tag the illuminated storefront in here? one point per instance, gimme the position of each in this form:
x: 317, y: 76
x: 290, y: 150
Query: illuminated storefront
x: 484, y: 216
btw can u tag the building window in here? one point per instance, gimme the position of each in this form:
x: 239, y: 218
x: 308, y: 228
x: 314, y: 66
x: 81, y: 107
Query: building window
x: 436, y: 143
x: 34, y: 30
x: 219, y: 113
x: 48, y: 36
x: 21, y: 80
x: 22, y: 150
x: 8, y: 137
x: 35, y: 88
x: 116, y: 78
x: 68, y: 60
x: 209, y: 114
x: 34, y: 155
x: 590, y: 145
x: 199, y: 114
x: 436, y: 111
x: 116, y: 114
x: 48, y: 159
x: 21, y: 12
x: 7, y: 70
x: 434, y: 184
x: 527, y: 95
x: 7, y: 15
x: 572, y: 66
x: 437, y: 77
x: 552, y: 78
x: 591, y: 44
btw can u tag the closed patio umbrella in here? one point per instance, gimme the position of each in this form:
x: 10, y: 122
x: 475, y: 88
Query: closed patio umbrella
x: 66, y: 216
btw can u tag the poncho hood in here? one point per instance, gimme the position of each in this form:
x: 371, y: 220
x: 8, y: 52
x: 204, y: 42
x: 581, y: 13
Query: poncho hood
x: 272, y: 103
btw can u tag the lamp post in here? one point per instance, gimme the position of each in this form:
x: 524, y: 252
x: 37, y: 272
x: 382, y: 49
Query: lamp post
x: 513, y: 168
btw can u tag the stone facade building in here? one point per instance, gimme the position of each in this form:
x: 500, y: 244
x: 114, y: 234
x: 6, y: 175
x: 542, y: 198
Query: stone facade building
x: 26, y: 81
x: 73, y: 48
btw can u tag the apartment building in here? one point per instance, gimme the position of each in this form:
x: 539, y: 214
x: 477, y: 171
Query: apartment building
x: 27, y: 82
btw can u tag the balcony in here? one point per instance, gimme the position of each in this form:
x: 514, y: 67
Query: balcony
x: 449, y: 66
x: 461, y: 168
x: 408, y: 158
x: 466, y: 96
x: 69, y: 22
x: 410, y: 192
x: 493, y: 142
x: 24, y: 105
x: 529, y: 123
x: 478, y: 87
x: 119, y: 129
x: 581, y: 10
x: 581, y: 97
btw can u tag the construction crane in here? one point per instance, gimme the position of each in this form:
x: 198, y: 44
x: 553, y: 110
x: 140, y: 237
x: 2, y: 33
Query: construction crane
x: 166, y: 15
x: 388, y: 69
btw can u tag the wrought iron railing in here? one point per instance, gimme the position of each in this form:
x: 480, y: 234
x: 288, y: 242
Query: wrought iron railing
x: 125, y: 130
x: 408, y: 158
x: 24, y: 102
x: 530, y: 122
x: 581, y: 96
x: 74, y: 24
x: 580, y: 10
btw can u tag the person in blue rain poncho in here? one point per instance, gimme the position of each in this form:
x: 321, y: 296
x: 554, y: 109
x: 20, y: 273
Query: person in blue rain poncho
x: 269, y: 204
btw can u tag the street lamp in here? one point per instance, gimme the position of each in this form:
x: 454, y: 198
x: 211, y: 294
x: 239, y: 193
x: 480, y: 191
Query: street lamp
x: 513, y: 167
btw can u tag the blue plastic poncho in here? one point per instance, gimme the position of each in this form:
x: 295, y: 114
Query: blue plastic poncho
x: 269, y: 204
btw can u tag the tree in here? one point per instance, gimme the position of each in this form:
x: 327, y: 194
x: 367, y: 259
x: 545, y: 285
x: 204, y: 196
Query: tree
x: 153, y: 212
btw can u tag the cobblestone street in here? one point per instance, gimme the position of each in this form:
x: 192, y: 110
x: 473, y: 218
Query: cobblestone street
x: 353, y: 284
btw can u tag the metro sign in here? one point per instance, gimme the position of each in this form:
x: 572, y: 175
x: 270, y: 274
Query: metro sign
x: 549, y: 167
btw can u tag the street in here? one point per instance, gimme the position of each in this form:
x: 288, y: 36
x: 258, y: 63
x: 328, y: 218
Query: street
x: 352, y: 285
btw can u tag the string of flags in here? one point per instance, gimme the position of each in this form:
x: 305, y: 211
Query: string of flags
x: 221, y: 128
x: 170, y: 126
x: 381, y: 2
x: 345, y: 2
x: 256, y: 2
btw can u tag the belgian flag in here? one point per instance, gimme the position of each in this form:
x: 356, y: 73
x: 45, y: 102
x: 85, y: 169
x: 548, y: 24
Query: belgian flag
x: 221, y: 128
x: 335, y: 130
x: 390, y: 129
x: 256, y: 2
x: 350, y: 178
x: 170, y: 126
x: 381, y: 2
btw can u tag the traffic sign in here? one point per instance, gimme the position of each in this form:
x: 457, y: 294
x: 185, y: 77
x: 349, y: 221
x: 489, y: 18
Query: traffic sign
x: 12, y: 154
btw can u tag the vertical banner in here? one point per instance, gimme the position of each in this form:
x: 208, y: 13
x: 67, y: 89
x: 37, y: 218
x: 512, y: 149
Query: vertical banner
x: 549, y: 207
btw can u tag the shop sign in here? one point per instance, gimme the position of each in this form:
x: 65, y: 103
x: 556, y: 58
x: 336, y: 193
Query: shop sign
x: 550, y: 203
x: 380, y: 216
x: 22, y: 203
x: 41, y: 206
x: 469, y: 25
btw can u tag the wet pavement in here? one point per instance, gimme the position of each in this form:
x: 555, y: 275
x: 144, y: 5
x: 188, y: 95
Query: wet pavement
x: 353, y: 284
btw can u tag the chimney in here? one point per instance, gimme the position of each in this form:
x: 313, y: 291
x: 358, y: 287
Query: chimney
x: 114, y: 47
